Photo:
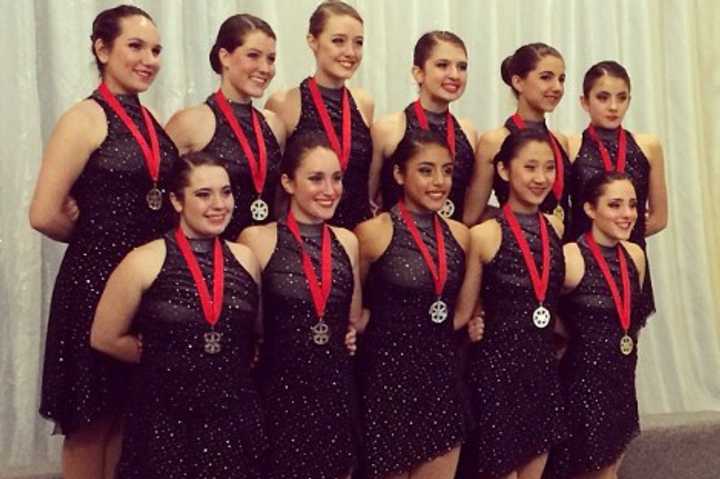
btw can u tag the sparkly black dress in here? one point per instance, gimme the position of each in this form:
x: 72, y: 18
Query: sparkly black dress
x: 512, y: 373
x: 354, y: 206
x: 589, y: 163
x: 194, y: 414
x: 598, y: 380
x: 462, y: 166
x: 550, y: 203
x: 79, y: 384
x: 307, y: 388
x: 413, y: 405
x: 225, y: 145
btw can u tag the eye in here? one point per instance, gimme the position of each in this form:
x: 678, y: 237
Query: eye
x: 135, y: 45
x: 546, y: 76
x: 633, y: 204
x: 202, y: 194
x: 227, y: 191
x: 562, y: 78
x: 337, y: 177
x: 441, y: 64
x: 271, y: 58
x: 360, y: 42
x: 462, y: 66
x: 602, y: 96
x: 550, y: 167
x: 614, y: 205
x: 530, y: 167
x: 338, y: 40
x: 315, y: 178
x: 425, y: 170
x: 253, y: 55
x: 448, y: 170
x: 622, y: 97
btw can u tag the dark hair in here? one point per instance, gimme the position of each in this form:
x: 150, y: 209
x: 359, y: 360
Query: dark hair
x: 508, y: 151
x: 232, y: 34
x: 428, y: 41
x: 106, y: 27
x: 179, y: 177
x: 319, y: 17
x: 298, y: 147
x: 597, y: 185
x: 412, y: 143
x: 524, y: 60
x: 597, y: 71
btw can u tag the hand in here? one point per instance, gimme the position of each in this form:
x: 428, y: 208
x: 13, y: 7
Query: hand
x: 351, y: 340
x: 70, y: 209
x: 476, y: 328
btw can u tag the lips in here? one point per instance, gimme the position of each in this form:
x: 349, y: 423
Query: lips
x: 347, y: 64
x: 145, y: 75
x: 451, y: 87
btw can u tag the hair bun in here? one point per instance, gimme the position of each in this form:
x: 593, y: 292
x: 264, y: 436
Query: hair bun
x: 506, y: 70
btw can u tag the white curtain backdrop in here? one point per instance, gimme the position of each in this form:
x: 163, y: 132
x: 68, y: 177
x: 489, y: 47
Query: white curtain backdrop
x: 670, y: 47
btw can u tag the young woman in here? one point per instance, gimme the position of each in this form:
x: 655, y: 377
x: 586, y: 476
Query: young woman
x: 109, y: 158
x: 414, y: 412
x: 440, y: 69
x: 323, y: 102
x: 185, y: 307
x: 512, y: 374
x: 603, y: 313
x: 311, y: 297
x: 536, y: 75
x: 606, y: 146
x: 227, y: 125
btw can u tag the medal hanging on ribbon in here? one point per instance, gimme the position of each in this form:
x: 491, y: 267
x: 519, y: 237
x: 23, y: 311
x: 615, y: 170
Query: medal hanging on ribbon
x: 540, y: 281
x: 342, y: 151
x: 448, y: 208
x: 559, y: 184
x: 319, y: 291
x: 211, y: 307
x: 605, y: 154
x: 438, y: 310
x: 259, y: 209
x: 151, y: 153
x: 622, y: 304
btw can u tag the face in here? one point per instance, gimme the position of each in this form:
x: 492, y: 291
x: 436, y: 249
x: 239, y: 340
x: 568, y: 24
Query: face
x: 426, y: 178
x: 133, y: 59
x: 444, y: 75
x: 249, y: 69
x: 207, y: 203
x: 316, y: 187
x: 607, y: 102
x: 542, y: 88
x: 615, y: 212
x: 531, y: 175
x: 338, y: 49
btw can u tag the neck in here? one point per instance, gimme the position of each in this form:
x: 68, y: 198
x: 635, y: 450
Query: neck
x: 327, y: 81
x: 232, y: 94
x: 528, y: 112
x: 432, y: 104
x: 191, y: 233
x: 302, y: 217
x: 602, y: 239
x: 522, y: 207
x: 416, y: 209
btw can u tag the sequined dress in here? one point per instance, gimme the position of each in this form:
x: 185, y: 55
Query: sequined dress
x: 413, y: 405
x: 354, y: 206
x: 194, y: 414
x: 463, y: 164
x: 308, y: 389
x: 224, y: 145
x: 81, y: 385
x: 512, y: 373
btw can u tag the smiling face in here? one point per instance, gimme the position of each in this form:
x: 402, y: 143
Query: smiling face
x: 607, y: 102
x: 530, y: 175
x: 315, y: 187
x: 614, y: 212
x: 542, y: 88
x: 443, y: 76
x: 249, y: 68
x: 338, y: 49
x: 426, y: 178
x: 132, y: 61
x: 206, y: 203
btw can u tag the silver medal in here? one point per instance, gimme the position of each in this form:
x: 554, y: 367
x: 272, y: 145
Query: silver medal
x: 154, y: 198
x: 320, y: 333
x: 438, y: 311
x: 259, y: 209
x: 541, y: 317
x: 448, y: 208
x: 212, y: 342
x: 626, y: 345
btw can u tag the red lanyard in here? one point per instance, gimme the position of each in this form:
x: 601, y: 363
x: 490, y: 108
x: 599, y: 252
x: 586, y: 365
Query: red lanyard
x: 258, y: 166
x: 320, y: 292
x: 152, y: 157
x: 622, y: 305
x: 559, y: 184
x: 605, y: 154
x: 343, y: 152
x: 540, y: 284
x: 449, y: 125
x: 439, y: 273
x: 211, y: 307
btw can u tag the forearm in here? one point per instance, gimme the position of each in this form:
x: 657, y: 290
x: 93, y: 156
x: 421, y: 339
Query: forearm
x: 127, y: 348
x: 58, y: 227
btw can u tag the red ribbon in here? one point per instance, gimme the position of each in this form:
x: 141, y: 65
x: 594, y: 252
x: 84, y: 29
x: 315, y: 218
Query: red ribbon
x: 258, y: 166
x: 152, y: 156
x: 622, y: 305
x: 343, y: 152
x: 605, y: 154
x: 559, y: 184
x: 211, y: 307
x: 449, y: 125
x: 320, y: 292
x: 439, y: 273
x: 540, y: 284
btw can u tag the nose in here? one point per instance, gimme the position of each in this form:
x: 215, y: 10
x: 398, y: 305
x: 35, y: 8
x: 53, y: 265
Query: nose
x: 613, y: 104
x: 454, y: 71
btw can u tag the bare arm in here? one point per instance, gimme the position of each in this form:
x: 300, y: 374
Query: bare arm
x: 480, y: 187
x: 191, y: 129
x: 470, y: 289
x: 286, y: 105
x: 386, y: 133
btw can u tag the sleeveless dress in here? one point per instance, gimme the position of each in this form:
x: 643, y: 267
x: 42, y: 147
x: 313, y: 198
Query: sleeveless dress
x: 225, y: 145
x: 462, y: 166
x: 598, y: 380
x: 194, y: 414
x: 550, y: 203
x: 354, y: 206
x: 512, y: 373
x: 80, y: 384
x: 413, y: 405
x: 588, y: 164
x: 308, y: 389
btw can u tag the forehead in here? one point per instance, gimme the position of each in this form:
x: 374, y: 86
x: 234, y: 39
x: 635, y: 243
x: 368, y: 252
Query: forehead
x: 258, y: 39
x: 550, y: 63
x: 343, y: 25
x: 619, y: 189
x: 535, y: 150
x: 432, y: 154
x: 206, y: 175
x: 610, y: 84
x: 319, y: 159
x: 137, y: 26
x: 447, y: 50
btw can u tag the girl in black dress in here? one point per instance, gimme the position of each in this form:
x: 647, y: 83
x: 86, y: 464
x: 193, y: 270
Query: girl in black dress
x: 101, y: 189
x: 323, y: 102
x: 414, y: 412
x: 227, y: 125
x: 185, y: 308
x: 311, y: 300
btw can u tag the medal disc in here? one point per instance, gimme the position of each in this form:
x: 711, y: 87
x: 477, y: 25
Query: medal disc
x: 559, y: 212
x: 212, y: 342
x: 626, y: 345
x: 541, y: 317
x: 448, y: 208
x: 259, y: 209
x: 320, y: 333
x: 154, y: 199
x: 438, y: 311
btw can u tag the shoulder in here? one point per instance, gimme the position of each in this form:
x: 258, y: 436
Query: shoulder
x: 470, y: 131
x: 636, y: 253
x: 246, y: 258
x: 364, y: 102
x: 371, y: 227
x: 388, y: 130
x: 276, y: 125
x: 347, y: 239
x: 146, y: 261
x: 574, y: 141
x: 561, y: 138
x: 556, y: 223
x: 460, y: 232
x: 257, y: 234
x: 374, y: 235
x: 650, y: 145
x: 282, y: 99
x: 486, y: 238
x: 187, y: 116
x: 574, y: 266
x: 188, y: 127
x: 489, y: 142
x: 87, y: 117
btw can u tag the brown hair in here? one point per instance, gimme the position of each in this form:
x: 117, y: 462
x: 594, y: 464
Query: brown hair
x: 179, y: 177
x: 428, y: 41
x: 327, y: 8
x: 524, y: 60
x: 597, y: 71
x: 232, y: 34
x: 106, y: 27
